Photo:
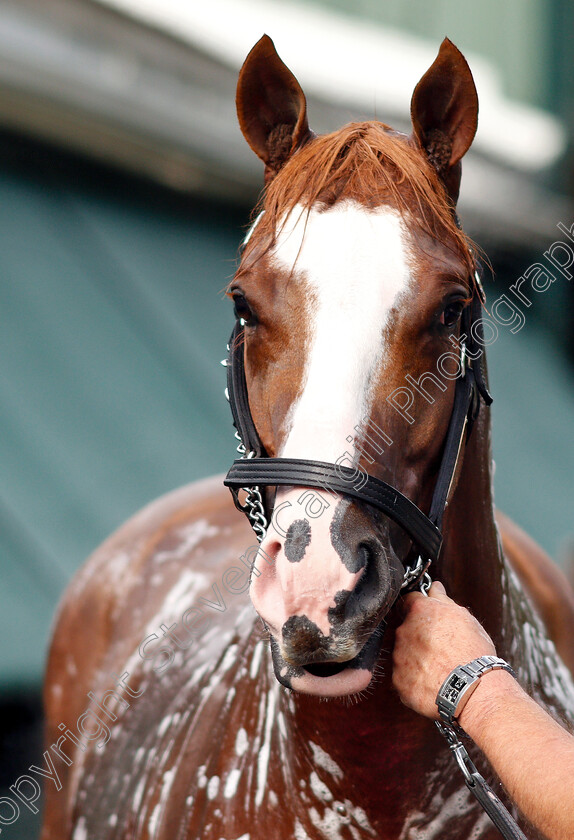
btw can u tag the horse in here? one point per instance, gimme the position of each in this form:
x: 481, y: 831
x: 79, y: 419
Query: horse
x: 177, y: 710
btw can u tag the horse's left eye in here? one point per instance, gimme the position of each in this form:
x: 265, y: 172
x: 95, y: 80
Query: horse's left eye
x: 451, y: 313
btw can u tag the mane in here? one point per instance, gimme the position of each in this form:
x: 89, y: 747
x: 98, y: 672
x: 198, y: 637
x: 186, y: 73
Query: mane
x: 373, y: 165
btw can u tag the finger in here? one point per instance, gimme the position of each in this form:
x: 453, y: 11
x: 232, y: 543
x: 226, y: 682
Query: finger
x: 438, y: 592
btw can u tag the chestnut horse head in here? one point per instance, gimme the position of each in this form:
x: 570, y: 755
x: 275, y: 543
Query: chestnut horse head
x: 350, y: 293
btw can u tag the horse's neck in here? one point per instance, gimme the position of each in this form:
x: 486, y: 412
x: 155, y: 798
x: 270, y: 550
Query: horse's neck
x: 471, y: 564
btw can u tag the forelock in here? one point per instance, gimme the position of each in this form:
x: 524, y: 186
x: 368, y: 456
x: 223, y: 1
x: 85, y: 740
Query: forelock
x: 373, y: 165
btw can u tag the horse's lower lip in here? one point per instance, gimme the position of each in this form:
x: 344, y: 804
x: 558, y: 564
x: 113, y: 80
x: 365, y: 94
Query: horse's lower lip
x: 348, y: 681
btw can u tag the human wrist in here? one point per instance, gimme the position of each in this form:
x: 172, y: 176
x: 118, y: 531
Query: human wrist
x: 494, y: 691
x: 462, y: 682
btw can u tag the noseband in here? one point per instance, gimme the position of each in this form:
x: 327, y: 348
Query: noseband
x: 255, y: 469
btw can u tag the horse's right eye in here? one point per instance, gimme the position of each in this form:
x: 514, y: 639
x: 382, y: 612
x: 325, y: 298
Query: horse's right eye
x: 241, y: 308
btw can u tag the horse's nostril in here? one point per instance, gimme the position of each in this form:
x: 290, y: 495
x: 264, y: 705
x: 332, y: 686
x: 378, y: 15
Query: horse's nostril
x: 364, y: 554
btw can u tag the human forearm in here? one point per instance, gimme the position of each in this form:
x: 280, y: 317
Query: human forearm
x: 531, y: 753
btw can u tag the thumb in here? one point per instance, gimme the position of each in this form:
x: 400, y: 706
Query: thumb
x: 406, y: 603
x: 438, y: 592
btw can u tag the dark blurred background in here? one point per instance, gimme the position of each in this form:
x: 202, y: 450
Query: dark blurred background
x: 125, y: 189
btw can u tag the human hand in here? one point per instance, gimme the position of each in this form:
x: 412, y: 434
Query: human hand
x: 436, y: 636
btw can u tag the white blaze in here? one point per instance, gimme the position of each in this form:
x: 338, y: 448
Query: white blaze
x: 354, y: 262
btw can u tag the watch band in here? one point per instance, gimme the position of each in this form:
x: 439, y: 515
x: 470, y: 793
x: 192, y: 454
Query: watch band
x: 455, y: 691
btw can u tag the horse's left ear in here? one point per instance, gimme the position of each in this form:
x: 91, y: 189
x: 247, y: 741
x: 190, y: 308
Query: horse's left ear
x: 271, y: 107
x: 444, y: 112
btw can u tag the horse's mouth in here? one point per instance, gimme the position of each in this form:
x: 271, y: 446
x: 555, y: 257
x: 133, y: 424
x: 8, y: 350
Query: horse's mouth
x: 326, y: 669
x: 330, y: 679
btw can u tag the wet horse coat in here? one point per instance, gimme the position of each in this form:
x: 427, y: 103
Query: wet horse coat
x: 166, y: 716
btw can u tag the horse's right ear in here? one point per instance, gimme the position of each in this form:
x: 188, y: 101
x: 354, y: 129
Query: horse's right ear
x: 444, y: 113
x: 271, y: 107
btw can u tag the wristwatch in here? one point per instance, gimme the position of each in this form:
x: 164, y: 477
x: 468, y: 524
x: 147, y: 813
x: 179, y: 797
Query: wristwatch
x: 459, y: 685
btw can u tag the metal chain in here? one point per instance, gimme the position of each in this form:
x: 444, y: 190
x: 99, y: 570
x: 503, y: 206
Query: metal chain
x: 256, y: 512
x: 253, y: 506
x: 419, y: 570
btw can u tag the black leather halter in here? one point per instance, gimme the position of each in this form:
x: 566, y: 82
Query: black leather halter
x: 255, y: 469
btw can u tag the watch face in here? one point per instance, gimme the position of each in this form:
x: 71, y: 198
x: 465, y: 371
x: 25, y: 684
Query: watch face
x: 453, y: 689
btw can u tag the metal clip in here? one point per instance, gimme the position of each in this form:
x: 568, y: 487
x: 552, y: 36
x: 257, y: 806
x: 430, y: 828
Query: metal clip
x: 464, y: 360
x: 412, y: 572
x: 457, y: 748
x: 479, y: 788
x: 479, y: 286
